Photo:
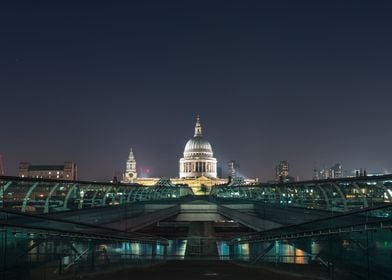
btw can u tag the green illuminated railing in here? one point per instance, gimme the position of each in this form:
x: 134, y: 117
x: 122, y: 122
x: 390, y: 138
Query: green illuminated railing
x: 44, y: 196
x: 351, y: 245
x: 335, y: 194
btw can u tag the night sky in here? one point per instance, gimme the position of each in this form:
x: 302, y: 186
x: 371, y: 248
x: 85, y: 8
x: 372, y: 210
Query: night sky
x: 309, y: 82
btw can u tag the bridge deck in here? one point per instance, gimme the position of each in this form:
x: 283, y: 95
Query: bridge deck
x: 199, y: 270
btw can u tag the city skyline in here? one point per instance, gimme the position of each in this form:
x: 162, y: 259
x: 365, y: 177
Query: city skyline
x: 309, y: 176
x: 307, y: 83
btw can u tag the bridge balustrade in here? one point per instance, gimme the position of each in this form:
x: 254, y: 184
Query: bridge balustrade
x: 358, y: 243
x: 335, y: 194
x: 44, y: 196
x: 33, y: 246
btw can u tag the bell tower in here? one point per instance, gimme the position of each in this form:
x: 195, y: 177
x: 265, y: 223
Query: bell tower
x: 130, y: 171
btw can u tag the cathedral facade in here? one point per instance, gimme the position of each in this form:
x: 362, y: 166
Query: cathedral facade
x: 197, y: 168
x: 198, y: 157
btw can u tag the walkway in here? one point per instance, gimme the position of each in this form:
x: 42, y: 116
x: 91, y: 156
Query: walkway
x: 198, y: 270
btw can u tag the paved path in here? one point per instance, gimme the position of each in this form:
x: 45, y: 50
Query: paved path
x: 199, y: 245
x: 196, y: 270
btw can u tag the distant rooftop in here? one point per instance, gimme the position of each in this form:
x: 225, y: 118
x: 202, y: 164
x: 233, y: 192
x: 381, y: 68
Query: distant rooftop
x: 45, y: 167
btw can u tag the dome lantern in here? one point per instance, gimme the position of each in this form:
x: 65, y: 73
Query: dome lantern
x: 198, y: 127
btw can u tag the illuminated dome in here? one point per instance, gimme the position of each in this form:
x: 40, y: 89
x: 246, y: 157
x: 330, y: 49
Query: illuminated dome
x: 198, y: 146
x: 198, y: 157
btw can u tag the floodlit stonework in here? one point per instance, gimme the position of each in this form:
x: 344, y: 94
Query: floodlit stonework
x: 198, y: 167
x: 198, y: 160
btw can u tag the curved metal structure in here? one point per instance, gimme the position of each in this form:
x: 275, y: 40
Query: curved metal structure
x: 336, y: 194
x: 31, y: 241
x: 44, y: 196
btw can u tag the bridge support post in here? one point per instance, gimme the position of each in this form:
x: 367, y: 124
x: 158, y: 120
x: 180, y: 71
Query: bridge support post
x: 105, y: 194
x: 3, y: 189
x: 381, y: 186
x: 46, y: 208
x: 27, y: 197
x: 93, y: 199
x: 365, y: 203
x: 325, y: 196
x: 336, y: 186
x: 65, y: 205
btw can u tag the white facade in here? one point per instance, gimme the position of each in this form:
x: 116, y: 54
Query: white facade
x: 130, y: 171
x: 198, y: 157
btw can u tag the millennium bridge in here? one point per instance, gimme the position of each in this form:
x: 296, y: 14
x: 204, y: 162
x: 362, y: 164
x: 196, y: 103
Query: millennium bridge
x: 326, y: 229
